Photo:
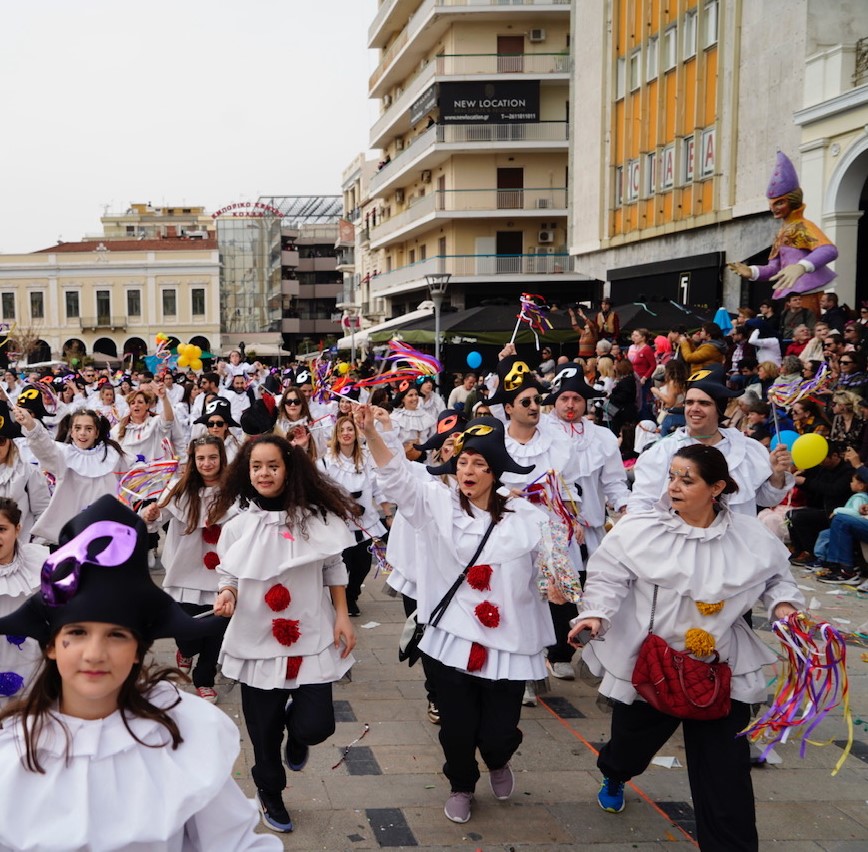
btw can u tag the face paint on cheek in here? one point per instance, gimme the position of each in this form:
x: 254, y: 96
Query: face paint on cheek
x: 65, y: 643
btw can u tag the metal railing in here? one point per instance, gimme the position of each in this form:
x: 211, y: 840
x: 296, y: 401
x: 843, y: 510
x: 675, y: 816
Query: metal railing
x: 103, y: 321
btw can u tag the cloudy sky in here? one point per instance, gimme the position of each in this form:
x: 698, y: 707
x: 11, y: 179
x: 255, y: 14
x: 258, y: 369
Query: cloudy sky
x: 103, y: 103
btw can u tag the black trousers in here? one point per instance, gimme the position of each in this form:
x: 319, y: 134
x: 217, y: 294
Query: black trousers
x: 358, y: 561
x: 562, y: 651
x: 309, y: 719
x: 430, y: 691
x: 805, y: 526
x: 718, y: 768
x: 475, y: 713
x: 206, y: 650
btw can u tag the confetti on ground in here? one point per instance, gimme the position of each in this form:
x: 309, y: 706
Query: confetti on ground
x: 369, y: 624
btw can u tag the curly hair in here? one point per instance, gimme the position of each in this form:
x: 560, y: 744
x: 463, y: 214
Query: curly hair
x: 188, y: 489
x: 305, y: 489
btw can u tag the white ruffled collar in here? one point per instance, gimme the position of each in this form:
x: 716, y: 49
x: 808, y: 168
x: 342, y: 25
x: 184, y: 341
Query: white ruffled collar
x: 93, y: 462
x: 20, y: 577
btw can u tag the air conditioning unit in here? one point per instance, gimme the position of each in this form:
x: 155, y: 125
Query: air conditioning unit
x: 399, y: 196
x: 543, y: 204
x: 387, y: 101
x: 426, y: 176
x: 537, y: 36
x: 399, y: 144
x: 546, y: 237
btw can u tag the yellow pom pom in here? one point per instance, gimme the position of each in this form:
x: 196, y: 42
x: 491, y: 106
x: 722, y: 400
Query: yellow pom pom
x: 698, y: 642
x: 709, y: 608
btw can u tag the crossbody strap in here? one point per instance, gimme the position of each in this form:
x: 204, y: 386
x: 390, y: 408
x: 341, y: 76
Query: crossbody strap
x: 653, y: 608
x: 437, y: 612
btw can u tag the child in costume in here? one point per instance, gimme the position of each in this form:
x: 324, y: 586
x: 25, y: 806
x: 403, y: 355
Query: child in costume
x: 190, y: 552
x: 282, y: 582
x: 104, y: 752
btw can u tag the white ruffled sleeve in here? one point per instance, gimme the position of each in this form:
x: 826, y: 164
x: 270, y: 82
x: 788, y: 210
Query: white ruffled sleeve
x: 48, y: 452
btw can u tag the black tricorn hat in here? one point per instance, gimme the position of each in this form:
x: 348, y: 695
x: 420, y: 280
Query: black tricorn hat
x: 8, y: 427
x: 31, y: 399
x: 570, y: 378
x: 487, y: 437
x: 712, y: 381
x: 515, y: 376
x: 220, y: 407
x: 100, y: 573
x: 261, y: 416
x: 449, y: 421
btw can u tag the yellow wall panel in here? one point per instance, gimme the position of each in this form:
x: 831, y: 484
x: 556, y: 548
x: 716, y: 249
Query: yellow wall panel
x: 688, y: 118
x: 651, y: 137
x: 686, y: 202
x: 667, y: 206
x: 618, y: 136
x: 670, y: 108
x: 710, y: 99
x: 654, y: 16
x: 634, y: 136
x: 620, y: 29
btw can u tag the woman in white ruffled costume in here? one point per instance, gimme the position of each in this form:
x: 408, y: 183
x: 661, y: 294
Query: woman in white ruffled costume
x: 710, y: 565
x: 19, y: 480
x: 412, y: 423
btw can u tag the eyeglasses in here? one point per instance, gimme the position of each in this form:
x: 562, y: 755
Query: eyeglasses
x: 846, y: 362
x: 215, y: 424
x: 62, y: 570
x: 528, y: 400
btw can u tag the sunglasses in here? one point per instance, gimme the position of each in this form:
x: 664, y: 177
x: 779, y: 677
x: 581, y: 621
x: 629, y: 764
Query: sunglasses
x: 215, y: 424
x: 293, y: 402
x: 846, y: 362
x: 61, y: 572
x: 526, y: 402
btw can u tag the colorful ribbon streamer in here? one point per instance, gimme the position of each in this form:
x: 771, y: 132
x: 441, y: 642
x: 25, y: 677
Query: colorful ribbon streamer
x: 407, y: 364
x: 146, y: 481
x: 533, y: 311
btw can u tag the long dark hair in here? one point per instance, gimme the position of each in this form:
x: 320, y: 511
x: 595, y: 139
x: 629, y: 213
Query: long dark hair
x: 187, y: 491
x: 710, y: 464
x: 12, y: 511
x: 103, y: 430
x: 496, y: 507
x: 305, y: 489
x: 45, y: 693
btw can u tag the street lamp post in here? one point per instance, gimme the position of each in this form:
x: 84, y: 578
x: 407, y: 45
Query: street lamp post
x: 437, y: 284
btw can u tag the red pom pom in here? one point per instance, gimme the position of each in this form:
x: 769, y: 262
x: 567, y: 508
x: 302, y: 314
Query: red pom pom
x: 488, y: 614
x: 478, y: 655
x: 211, y: 560
x: 285, y: 630
x: 278, y: 598
x: 293, y: 664
x: 211, y: 535
x: 479, y: 577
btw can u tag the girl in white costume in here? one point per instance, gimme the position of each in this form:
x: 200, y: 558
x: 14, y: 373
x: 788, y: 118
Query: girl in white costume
x: 190, y: 552
x: 84, y: 469
x: 412, y: 423
x: 77, y: 753
x: 282, y: 580
x: 20, y: 481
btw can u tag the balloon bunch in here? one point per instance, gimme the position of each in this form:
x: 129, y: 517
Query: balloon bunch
x: 190, y: 355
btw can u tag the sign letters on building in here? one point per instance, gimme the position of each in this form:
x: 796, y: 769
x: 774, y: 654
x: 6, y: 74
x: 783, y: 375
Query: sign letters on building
x: 426, y: 102
x: 501, y: 102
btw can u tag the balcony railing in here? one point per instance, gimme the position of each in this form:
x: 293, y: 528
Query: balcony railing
x: 103, y: 321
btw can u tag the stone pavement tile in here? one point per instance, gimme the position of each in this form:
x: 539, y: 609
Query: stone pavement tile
x: 802, y: 784
x: 330, y: 830
x: 857, y: 810
x: 637, y: 823
x: 548, y: 787
x: 784, y: 821
x: 392, y: 791
x: 843, y: 846
x: 386, y: 732
x: 545, y: 754
x: 391, y: 709
x: 406, y: 759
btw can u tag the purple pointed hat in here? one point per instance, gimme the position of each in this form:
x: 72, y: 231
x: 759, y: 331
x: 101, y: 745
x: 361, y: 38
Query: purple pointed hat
x: 784, y: 178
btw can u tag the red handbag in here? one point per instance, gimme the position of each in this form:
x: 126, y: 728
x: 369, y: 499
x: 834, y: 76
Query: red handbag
x: 678, y: 684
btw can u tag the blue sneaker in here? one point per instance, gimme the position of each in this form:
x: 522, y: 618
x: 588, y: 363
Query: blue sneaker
x: 296, y: 754
x: 274, y: 813
x: 611, y: 796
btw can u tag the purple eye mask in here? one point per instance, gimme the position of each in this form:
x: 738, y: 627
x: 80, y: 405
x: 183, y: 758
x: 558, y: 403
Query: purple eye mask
x: 61, y: 572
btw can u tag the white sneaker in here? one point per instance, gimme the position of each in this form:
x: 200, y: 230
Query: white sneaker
x: 862, y: 587
x: 529, y: 697
x: 152, y: 560
x: 564, y: 671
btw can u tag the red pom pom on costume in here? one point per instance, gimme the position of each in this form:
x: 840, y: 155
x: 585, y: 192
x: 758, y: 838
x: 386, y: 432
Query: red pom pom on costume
x: 293, y: 664
x: 478, y: 656
x: 278, y: 597
x: 479, y: 577
x: 211, y: 535
x: 211, y: 560
x: 488, y: 614
x: 285, y: 630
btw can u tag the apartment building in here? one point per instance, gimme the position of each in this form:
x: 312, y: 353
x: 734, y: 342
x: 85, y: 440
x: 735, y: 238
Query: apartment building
x: 474, y: 134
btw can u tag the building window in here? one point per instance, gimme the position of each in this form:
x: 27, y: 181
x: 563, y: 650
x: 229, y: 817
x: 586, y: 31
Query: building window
x: 635, y: 71
x: 650, y: 174
x: 710, y: 18
x: 688, y: 150
x: 690, y: 35
x: 620, y: 77
x: 37, y: 306
x: 198, y: 297
x: 619, y: 186
x: 669, y: 49
x: 8, y: 301
x: 651, y: 59
x: 423, y: 252
x: 134, y: 303
x: 170, y: 307
x: 103, y: 306
x: 72, y: 308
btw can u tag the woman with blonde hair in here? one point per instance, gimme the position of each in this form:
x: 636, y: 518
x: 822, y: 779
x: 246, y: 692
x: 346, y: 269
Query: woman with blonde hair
x: 847, y: 424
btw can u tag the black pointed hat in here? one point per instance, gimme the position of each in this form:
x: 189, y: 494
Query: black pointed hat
x: 515, y: 376
x: 487, y: 437
x: 100, y: 573
x: 449, y: 421
x: 31, y: 399
x: 8, y: 427
x: 570, y: 378
x: 712, y: 380
x: 218, y: 406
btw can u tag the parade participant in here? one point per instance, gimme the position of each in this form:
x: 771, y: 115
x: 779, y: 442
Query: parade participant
x: 293, y: 411
x: 19, y: 577
x: 189, y: 553
x: 85, y: 467
x: 608, y: 322
x: 282, y: 584
x: 763, y: 478
x: 490, y: 638
x: 235, y: 367
x: 217, y: 419
x: 689, y: 568
x: 238, y: 398
x: 801, y: 253
x: 412, y: 423
x: 98, y: 718
x: 112, y: 408
x: 348, y: 463
x: 430, y: 400
x: 20, y: 481
x: 139, y: 433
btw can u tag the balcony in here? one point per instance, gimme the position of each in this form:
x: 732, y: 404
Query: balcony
x: 290, y: 287
x: 112, y: 323
x: 395, y: 120
x: 469, y: 204
x: 289, y: 258
x: 440, y: 142
x: 470, y: 268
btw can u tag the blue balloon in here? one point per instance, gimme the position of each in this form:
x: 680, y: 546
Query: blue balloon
x: 787, y: 437
x: 474, y: 360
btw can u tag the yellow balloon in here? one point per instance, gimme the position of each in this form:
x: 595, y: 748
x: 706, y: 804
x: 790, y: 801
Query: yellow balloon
x: 183, y: 361
x: 196, y: 351
x: 196, y: 365
x: 809, y: 450
x: 343, y: 369
x: 182, y: 348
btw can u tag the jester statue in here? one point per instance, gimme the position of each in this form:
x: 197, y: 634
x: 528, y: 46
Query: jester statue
x: 801, y: 253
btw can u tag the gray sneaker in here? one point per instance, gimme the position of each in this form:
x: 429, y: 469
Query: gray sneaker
x: 458, y: 807
x: 564, y: 671
x: 502, y: 782
x: 529, y: 697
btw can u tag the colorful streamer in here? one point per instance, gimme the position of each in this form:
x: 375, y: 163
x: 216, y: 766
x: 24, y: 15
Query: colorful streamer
x: 533, y: 311
x: 785, y: 394
x: 408, y: 364
x: 146, y: 481
x: 377, y: 549
x: 812, y: 684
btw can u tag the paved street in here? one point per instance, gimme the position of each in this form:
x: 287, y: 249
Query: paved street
x: 389, y: 793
